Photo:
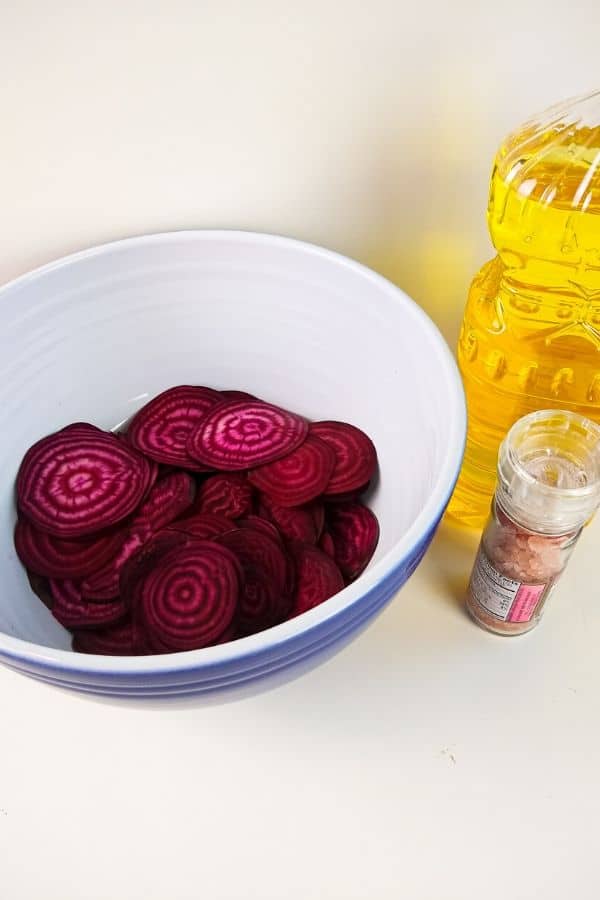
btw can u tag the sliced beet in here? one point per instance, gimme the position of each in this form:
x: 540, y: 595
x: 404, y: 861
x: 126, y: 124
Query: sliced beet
x: 298, y: 477
x: 40, y: 586
x: 354, y: 530
x: 238, y: 434
x: 326, y: 544
x: 170, y: 497
x: 294, y: 523
x: 82, y: 428
x: 115, y: 544
x: 238, y: 395
x: 78, y: 481
x: 355, y: 455
x: 204, y: 526
x: 260, y: 524
x: 143, y: 560
x: 230, y: 634
x: 317, y: 577
x: 161, y: 428
x: 317, y: 511
x: 348, y: 496
x: 72, y: 611
x: 122, y: 639
x: 264, y: 600
x: 154, y: 473
x: 61, y: 558
x: 226, y: 495
x: 190, y: 597
x: 104, y: 584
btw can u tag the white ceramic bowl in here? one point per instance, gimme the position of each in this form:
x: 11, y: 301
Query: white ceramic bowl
x: 94, y: 335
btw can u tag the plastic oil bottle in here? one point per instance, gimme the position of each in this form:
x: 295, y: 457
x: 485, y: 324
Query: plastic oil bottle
x: 530, y: 337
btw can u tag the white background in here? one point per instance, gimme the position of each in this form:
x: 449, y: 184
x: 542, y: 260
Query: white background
x: 429, y: 760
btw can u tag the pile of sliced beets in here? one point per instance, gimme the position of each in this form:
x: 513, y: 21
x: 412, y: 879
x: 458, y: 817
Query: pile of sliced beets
x: 214, y: 515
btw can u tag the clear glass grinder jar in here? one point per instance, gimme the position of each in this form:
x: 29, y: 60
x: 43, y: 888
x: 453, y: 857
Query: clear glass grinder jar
x: 548, y: 487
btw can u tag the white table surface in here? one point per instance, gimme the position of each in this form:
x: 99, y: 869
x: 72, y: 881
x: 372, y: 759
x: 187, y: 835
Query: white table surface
x: 429, y: 760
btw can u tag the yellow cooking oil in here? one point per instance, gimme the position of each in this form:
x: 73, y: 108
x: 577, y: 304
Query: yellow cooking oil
x: 530, y: 337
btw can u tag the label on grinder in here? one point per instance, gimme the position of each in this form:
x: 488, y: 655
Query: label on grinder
x: 503, y: 597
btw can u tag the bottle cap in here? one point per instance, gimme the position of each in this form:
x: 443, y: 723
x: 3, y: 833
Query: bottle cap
x: 549, y: 471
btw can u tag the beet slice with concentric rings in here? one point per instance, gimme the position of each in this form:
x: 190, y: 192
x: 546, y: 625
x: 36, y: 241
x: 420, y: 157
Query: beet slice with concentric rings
x: 263, y: 599
x: 317, y: 577
x: 104, y: 584
x: 298, y: 477
x: 355, y: 455
x: 260, y: 524
x: 122, y: 639
x: 72, y: 611
x: 203, y: 526
x: 239, y: 434
x: 169, y: 498
x: 226, y: 495
x: 60, y: 558
x: 190, y: 597
x: 78, y: 481
x: 143, y: 560
x: 293, y: 522
x: 161, y: 428
x: 156, y: 646
x: 354, y: 530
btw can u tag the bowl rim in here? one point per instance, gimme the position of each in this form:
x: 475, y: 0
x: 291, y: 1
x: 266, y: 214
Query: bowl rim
x: 25, y: 652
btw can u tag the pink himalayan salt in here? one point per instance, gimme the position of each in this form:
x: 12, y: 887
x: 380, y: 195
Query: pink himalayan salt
x: 524, y: 556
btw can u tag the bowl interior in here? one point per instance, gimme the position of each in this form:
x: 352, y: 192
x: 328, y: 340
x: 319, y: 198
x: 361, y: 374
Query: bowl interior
x: 92, y: 337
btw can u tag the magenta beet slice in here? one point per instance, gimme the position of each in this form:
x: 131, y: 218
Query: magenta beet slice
x: 326, y: 544
x: 154, y: 466
x: 238, y: 395
x: 317, y: 511
x: 190, y: 597
x: 299, y: 477
x: 204, y: 526
x: 260, y: 524
x: 82, y: 428
x: 154, y: 473
x: 355, y: 455
x: 104, y: 584
x: 230, y: 634
x: 78, y: 481
x: 41, y: 588
x: 294, y: 523
x: 263, y: 599
x: 317, y: 577
x: 226, y: 495
x: 161, y: 428
x: 60, y: 558
x: 348, y: 496
x: 239, y: 434
x: 354, y: 530
x: 122, y: 639
x: 143, y: 560
x: 171, y: 496
x: 72, y: 611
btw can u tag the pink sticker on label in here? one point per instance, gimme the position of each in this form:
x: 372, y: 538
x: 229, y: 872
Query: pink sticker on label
x: 525, y: 602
